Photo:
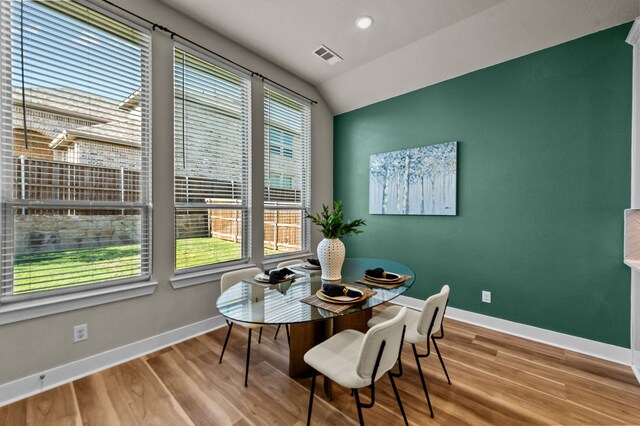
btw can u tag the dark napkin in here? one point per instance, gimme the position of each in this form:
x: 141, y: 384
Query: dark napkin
x: 335, y: 290
x: 277, y: 275
x: 380, y: 273
x: 314, y: 262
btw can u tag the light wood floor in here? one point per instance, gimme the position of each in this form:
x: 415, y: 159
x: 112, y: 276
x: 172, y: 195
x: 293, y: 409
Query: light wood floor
x: 497, y: 379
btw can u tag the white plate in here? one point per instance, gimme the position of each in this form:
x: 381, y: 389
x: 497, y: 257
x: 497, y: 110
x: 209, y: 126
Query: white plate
x: 385, y: 280
x: 343, y: 298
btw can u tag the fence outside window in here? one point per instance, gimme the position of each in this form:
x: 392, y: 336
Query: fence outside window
x: 62, y: 181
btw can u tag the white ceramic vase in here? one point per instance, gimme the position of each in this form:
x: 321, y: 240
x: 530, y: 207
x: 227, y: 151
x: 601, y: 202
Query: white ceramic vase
x: 331, y: 256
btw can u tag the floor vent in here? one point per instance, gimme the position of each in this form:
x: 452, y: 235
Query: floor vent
x: 327, y: 55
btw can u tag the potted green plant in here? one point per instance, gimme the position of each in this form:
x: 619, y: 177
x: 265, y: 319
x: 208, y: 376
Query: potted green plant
x: 331, y: 250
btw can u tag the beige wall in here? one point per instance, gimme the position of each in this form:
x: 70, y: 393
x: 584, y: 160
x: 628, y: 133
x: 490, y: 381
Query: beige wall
x: 31, y: 346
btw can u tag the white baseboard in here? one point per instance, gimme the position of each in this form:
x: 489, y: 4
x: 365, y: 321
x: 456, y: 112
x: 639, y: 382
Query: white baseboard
x: 601, y: 350
x: 636, y: 371
x: 31, y: 385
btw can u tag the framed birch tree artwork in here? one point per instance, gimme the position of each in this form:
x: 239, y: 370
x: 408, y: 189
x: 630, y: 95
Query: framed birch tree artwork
x: 416, y: 181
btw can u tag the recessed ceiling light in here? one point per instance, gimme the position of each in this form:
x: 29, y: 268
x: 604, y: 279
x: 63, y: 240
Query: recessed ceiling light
x: 364, y: 22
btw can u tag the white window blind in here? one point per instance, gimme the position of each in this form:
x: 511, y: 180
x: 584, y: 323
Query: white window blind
x: 287, y: 173
x: 211, y: 162
x: 75, y: 149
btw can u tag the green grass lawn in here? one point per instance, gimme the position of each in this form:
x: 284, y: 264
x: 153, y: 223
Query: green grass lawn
x: 74, y: 267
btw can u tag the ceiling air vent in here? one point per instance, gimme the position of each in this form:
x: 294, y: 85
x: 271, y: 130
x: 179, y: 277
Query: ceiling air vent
x: 327, y: 55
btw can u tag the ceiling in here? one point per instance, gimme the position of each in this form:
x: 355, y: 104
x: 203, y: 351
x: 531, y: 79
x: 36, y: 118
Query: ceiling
x: 419, y: 35
x: 287, y: 31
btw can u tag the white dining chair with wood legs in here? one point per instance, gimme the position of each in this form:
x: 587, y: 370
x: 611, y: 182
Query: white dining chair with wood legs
x: 291, y: 262
x: 422, y: 325
x: 356, y: 360
x: 227, y: 280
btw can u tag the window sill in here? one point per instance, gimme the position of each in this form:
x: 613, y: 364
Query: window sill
x: 36, y: 308
x: 189, y: 279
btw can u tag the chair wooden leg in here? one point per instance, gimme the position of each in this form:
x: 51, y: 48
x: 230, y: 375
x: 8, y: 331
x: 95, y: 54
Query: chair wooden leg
x: 246, y: 371
x: 395, y: 391
x: 277, y: 331
x: 260, y: 336
x: 424, y: 385
x: 226, y: 340
x: 441, y: 360
x: 311, y: 395
x: 355, y: 391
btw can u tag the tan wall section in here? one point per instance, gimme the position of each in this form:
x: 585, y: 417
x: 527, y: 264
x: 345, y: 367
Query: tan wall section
x: 31, y: 346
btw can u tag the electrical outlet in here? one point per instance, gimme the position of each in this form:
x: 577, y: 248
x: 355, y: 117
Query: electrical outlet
x: 80, y: 333
x: 486, y: 296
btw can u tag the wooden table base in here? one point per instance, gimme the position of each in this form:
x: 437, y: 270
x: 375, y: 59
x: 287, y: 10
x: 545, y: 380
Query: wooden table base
x: 304, y: 336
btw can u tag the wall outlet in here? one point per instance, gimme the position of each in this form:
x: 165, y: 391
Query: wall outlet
x: 80, y: 333
x: 486, y: 296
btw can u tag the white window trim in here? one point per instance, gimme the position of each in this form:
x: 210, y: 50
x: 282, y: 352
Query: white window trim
x: 273, y: 260
x: 212, y: 276
x: 203, y: 274
x: 144, y: 286
x: 208, y: 276
x: 211, y: 59
x: 35, y: 308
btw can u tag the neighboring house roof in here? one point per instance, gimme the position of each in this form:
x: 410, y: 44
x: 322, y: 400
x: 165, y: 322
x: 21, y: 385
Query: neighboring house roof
x: 80, y: 115
x: 125, y: 132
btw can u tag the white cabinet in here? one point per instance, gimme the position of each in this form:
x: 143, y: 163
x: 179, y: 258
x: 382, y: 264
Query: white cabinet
x: 632, y: 259
x: 632, y: 216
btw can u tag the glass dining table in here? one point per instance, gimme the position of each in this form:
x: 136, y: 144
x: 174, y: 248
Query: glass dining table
x: 276, y: 304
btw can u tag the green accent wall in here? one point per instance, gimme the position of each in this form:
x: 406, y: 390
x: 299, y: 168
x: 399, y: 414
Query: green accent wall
x: 543, y: 179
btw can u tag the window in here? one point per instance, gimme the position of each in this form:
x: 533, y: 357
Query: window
x: 287, y: 173
x: 281, y: 142
x: 211, y: 162
x: 278, y: 180
x: 75, y: 150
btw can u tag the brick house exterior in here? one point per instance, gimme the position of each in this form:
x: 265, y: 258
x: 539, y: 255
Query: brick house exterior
x: 60, y: 128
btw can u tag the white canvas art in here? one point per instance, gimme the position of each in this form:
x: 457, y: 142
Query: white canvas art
x: 417, y: 181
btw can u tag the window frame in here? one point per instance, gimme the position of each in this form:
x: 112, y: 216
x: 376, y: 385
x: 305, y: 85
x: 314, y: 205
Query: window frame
x: 33, y: 305
x: 196, y: 274
x: 305, y: 199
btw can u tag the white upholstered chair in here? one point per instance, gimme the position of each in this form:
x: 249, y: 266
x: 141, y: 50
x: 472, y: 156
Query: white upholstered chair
x: 355, y: 360
x: 420, y: 326
x: 227, y: 280
x: 292, y: 262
